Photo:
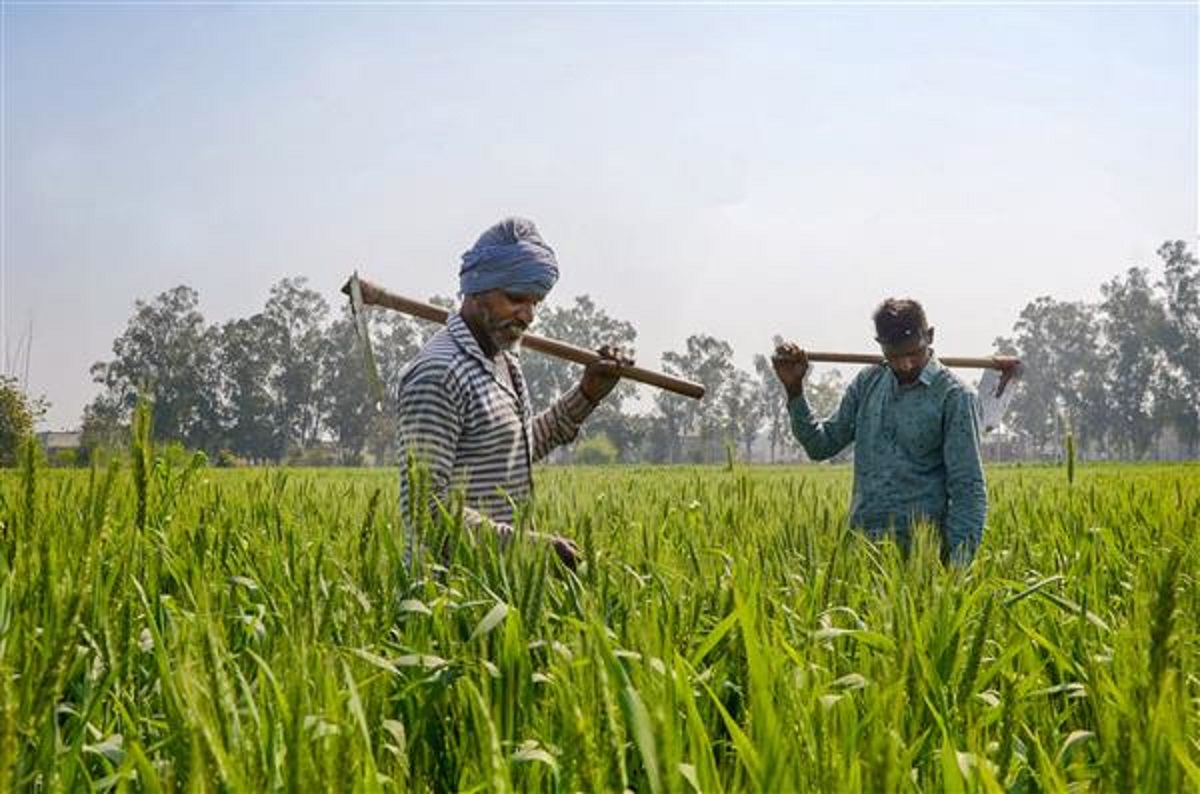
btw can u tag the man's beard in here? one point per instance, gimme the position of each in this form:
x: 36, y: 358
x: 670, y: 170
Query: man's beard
x: 505, y: 343
x: 502, y: 334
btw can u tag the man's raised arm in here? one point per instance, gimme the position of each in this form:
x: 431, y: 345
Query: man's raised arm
x: 820, y: 440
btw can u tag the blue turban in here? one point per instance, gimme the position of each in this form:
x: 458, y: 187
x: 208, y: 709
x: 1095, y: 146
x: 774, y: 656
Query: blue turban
x: 511, y: 256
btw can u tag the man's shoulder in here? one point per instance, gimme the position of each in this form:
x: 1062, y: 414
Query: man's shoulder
x: 951, y: 385
x: 440, y: 359
x: 868, y: 375
x: 951, y: 381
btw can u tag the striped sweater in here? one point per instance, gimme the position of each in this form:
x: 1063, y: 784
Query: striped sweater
x: 473, y: 428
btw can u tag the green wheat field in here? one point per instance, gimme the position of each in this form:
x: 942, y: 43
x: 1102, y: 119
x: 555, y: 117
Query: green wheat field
x: 165, y: 626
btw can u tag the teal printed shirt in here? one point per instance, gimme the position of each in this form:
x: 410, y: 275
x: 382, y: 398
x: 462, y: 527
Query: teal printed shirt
x: 916, y: 453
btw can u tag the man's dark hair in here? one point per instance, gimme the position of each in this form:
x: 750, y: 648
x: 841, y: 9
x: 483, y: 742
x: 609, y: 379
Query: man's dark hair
x: 899, y: 319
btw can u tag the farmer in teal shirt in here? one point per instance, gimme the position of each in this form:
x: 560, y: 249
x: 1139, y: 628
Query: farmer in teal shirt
x: 915, y: 430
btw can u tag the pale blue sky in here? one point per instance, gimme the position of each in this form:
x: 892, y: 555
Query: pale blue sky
x: 741, y: 171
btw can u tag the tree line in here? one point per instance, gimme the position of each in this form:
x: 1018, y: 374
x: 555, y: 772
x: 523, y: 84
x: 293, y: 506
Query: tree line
x: 1121, y: 374
x: 288, y: 384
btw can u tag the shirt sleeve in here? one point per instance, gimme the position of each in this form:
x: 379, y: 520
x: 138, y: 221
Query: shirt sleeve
x: 430, y: 423
x: 824, y: 439
x: 559, y: 424
x: 965, y: 486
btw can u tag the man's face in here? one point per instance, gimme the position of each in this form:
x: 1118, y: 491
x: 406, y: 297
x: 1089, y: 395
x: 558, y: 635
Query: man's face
x: 906, y: 359
x: 505, y: 316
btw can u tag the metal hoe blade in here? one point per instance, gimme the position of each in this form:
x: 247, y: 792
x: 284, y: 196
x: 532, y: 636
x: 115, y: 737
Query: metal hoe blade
x: 358, y: 312
x: 995, y: 393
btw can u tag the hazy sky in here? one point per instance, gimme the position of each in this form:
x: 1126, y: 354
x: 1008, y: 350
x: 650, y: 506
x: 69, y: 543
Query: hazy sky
x: 737, y: 170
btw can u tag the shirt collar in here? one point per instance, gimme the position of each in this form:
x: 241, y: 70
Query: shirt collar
x: 931, y: 370
x: 929, y: 373
x: 460, y: 332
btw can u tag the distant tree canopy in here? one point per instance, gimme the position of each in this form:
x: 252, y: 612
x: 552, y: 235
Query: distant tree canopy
x: 18, y: 414
x: 288, y: 382
x: 1122, y: 374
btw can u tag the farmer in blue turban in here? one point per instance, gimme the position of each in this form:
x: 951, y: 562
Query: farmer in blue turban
x: 464, y: 406
x: 510, y: 255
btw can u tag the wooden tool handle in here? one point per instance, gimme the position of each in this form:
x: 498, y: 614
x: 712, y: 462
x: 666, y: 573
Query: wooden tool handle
x: 986, y: 362
x: 373, y: 295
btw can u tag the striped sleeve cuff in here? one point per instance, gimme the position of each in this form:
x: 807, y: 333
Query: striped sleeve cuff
x: 577, y: 406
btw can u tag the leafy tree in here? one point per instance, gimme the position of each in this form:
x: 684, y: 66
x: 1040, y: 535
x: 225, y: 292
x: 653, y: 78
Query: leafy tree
x: 297, y: 316
x: 597, y: 450
x: 426, y: 330
x: 1135, y: 324
x: 743, y: 410
x: 582, y: 324
x: 1181, y: 285
x: 667, y: 427
x: 169, y: 352
x: 246, y: 365
x: 395, y: 340
x: 824, y: 391
x: 104, y: 427
x: 610, y: 420
x: 709, y: 361
x: 1118, y: 372
x: 585, y: 325
x: 1059, y: 342
x: 772, y: 402
x: 18, y: 414
x: 346, y: 392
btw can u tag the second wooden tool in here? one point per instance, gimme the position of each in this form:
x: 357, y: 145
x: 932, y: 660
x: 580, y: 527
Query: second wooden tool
x: 374, y: 295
